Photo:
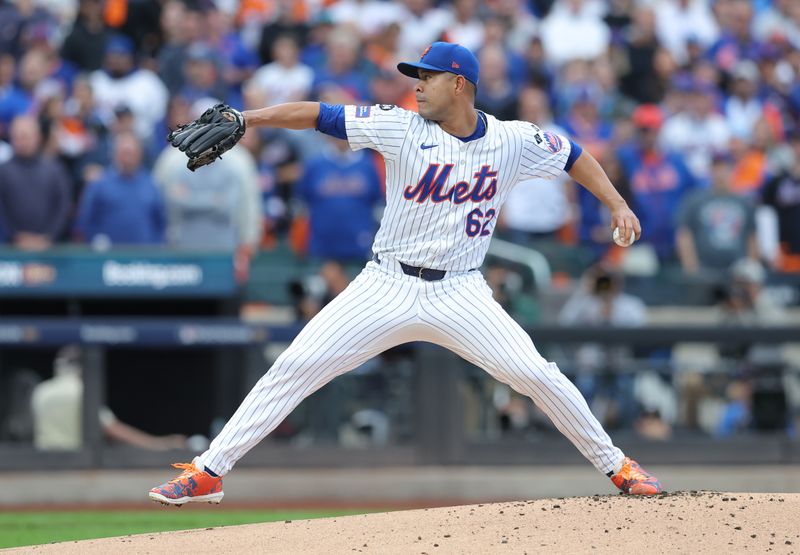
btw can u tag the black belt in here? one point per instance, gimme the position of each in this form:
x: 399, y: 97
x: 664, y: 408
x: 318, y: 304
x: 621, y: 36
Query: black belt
x: 426, y: 274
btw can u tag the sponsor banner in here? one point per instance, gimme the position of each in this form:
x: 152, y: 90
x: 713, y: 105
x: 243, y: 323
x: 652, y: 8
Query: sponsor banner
x: 116, y: 274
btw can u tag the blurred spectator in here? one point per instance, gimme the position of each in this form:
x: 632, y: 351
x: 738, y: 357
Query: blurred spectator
x: 19, y: 20
x: 216, y: 207
x: 14, y: 101
x: 536, y: 209
x: 602, y: 371
x: 743, y: 108
x: 285, y: 79
x: 496, y: 95
x: 743, y: 300
x: 201, y: 74
x: 782, y: 193
x: 238, y: 60
x: 86, y: 42
x: 313, y: 294
x: 683, y: 23
x: 574, y: 18
x: 367, y: 17
x: 466, y: 28
x: 344, y: 67
x: 659, y: 180
x: 121, y: 83
x: 736, y: 42
x: 420, y: 25
x: 287, y: 21
x: 539, y: 70
x: 780, y: 19
x: 34, y: 190
x: 751, y: 162
x: 697, y: 132
x: 643, y: 79
x: 715, y: 226
x: 57, y: 406
x: 341, y: 190
x: 124, y: 207
x: 181, y: 25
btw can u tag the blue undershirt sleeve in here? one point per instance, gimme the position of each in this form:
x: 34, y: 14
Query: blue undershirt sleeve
x: 331, y: 120
x: 574, y: 152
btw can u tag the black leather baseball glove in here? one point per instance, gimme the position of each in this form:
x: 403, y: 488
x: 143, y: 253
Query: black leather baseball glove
x: 209, y: 136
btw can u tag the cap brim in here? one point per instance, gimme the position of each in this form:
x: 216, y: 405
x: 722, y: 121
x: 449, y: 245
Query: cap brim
x: 412, y: 69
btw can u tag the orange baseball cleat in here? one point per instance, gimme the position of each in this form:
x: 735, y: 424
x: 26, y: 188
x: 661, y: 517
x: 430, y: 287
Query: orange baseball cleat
x: 635, y: 480
x: 194, y: 484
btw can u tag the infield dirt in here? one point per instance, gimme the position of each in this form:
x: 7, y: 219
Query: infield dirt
x: 685, y: 522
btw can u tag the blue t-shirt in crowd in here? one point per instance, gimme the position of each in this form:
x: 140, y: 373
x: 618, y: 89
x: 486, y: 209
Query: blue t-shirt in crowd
x: 128, y: 210
x: 341, y: 191
x: 658, y: 182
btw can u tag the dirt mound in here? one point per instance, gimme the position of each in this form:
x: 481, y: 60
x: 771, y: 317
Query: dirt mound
x: 688, y: 522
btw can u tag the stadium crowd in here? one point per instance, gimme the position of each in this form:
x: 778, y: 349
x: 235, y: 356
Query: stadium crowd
x: 693, y: 107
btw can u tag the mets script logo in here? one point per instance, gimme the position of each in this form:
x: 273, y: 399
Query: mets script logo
x: 433, y: 186
x: 552, y: 142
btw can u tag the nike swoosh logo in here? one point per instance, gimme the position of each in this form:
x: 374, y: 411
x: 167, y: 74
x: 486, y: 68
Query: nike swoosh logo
x: 426, y: 147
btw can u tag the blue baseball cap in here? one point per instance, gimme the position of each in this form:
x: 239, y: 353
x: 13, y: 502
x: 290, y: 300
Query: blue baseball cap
x: 444, y: 56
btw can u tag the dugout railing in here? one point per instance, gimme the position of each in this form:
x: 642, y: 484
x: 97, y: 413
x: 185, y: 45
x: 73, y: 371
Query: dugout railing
x: 434, y: 409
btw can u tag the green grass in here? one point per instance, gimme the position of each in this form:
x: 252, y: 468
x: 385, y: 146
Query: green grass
x: 29, y: 528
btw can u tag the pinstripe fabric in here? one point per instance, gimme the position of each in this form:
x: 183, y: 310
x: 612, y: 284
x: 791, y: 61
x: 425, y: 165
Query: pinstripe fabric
x: 426, y: 223
x: 383, y: 308
x: 432, y: 234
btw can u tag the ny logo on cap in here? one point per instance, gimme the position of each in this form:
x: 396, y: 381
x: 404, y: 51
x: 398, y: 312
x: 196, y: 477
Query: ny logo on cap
x: 425, y: 52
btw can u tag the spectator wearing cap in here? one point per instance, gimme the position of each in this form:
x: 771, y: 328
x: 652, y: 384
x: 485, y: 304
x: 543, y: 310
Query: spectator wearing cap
x: 716, y: 227
x: 681, y: 23
x: 285, y: 79
x: 659, y: 181
x: 782, y: 194
x: 201, y: 74
x: 35, y: 194
x: 574, y: 18
x: 86, y: 41
x: 697, y: 132
x: 121, y: 83
x: 124, y: 207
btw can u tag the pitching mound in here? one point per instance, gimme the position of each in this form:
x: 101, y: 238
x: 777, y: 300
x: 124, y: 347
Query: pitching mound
x: 696, y: 522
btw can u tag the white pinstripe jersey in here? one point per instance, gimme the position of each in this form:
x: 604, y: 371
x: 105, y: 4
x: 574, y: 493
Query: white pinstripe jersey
x: 443, y: 195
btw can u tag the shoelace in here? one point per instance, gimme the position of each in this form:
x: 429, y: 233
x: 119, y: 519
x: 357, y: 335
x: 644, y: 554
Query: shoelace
x: 188, y: 468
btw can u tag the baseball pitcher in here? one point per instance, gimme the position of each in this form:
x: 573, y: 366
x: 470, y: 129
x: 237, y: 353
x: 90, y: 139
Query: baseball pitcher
x: 449, y: 168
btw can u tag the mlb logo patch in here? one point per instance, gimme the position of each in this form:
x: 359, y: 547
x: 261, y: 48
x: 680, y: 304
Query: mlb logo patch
x: 552, y: 142
x: 363, y: 111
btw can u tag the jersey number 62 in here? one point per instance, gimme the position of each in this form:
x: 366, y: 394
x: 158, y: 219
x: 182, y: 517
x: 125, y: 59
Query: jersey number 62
x: 477, y: 222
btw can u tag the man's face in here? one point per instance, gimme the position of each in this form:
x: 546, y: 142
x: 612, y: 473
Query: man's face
x: 25, y: 137
x: 127, y: 154
x: 435, y: 92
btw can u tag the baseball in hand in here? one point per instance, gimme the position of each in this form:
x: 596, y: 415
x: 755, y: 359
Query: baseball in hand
x: 622, y: 241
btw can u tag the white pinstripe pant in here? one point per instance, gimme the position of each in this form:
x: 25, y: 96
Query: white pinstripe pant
x: 383, y: 308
